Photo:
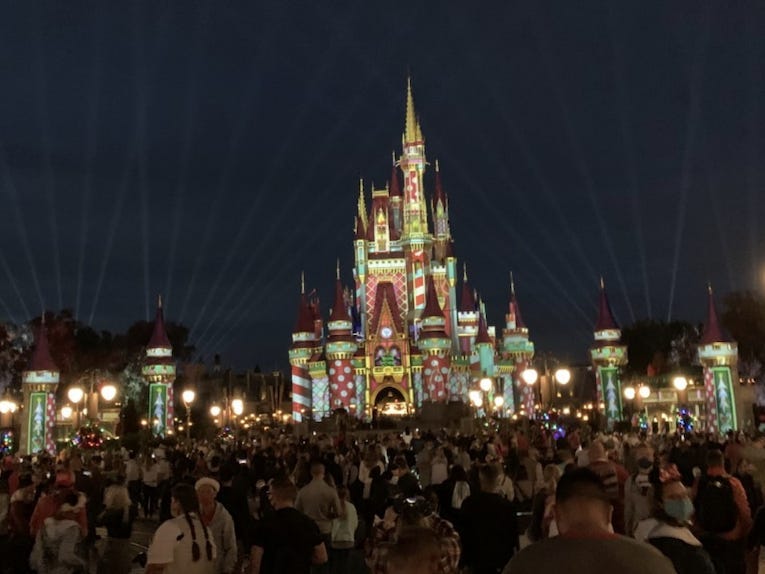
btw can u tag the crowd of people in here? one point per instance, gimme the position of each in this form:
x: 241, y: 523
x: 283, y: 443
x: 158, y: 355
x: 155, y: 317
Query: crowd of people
x: 513, y: 501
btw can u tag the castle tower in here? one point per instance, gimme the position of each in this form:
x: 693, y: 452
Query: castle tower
x: 159, y: 371
x: 436, y: 349
x: 440, y: 213
x: 484, y: 345
x: 39, y: 383
x: 517, y: 352
x: 415, y: 238
x: 718, y: 354
x: 608, y: 355
x: 467, y: 317
x: 339, y: 350
x: 303, y: 343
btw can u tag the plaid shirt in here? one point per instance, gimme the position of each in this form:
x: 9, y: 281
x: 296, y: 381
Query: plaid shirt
x: 383, y: 537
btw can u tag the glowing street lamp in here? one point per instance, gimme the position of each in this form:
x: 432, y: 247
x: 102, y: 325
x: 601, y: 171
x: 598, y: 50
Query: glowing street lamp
x: 66, y: 412
x: 530, y: 376
x: 629, y: 393
x: 108, y: 392
x: 237, y: 405
x: 474, y: 396
x: 563, y: 376
x: 486, y: 383
x: 76, y: 394
x: 188, y: 397
x: 680, y: 383
x: 215, y: 411
x: 644, y: 391
x: 499, y: 400
x: 7, y: 406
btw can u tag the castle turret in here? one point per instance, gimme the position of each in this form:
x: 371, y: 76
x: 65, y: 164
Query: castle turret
x: 396, y: 199
x: 440, y: 212
x: 303, y: 346
x: 339, y: 350
x: 467, y: 316
x: 159, y: 371
x: 435, y: 346
x: 39, y: 383
x: 517, y: 352
x: 608, y: 355
x: 718, y: 354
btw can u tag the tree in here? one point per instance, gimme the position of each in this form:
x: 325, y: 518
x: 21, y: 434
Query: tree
x: 743, y: 316
x: 656, y: 347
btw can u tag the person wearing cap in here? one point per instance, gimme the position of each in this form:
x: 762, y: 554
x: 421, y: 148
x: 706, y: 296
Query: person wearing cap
x: 586, y: 544
x: 50, y: 503
x: 55, y: 548
x: 215, y: 517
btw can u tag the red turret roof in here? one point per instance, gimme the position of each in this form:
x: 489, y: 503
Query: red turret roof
x: 339, y: 310
x: 713, y: 331
x: 360, y: 231
x: 159, y: 338
x: 41, y: 359
x: 483, y: 331
x: 606, y: 321
x: 386, y: 293
x: 305, y: 322
x: 467, y: 300
x: 432, y: 307
x: 395, y: 184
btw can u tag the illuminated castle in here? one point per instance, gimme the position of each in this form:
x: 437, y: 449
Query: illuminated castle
x: 403, y: 333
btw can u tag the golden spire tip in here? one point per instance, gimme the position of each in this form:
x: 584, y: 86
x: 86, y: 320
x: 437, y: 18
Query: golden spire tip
x: 302, y: 282
x: 602, y: 283
x: 512, y: 284
x: 337, y: 270
x: 464, y: 272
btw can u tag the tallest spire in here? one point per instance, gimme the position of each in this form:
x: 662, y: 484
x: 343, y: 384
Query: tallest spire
x: 412, y: 132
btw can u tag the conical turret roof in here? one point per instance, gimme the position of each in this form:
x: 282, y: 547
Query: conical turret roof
x: 483, y: 331
x: 467, y: 299
x: 305, y: 314
x: 432, y: 307
x: 713, y: 331
x: 606, y: 321
x: 514, y: 307
x: 41, y: 359
x: 395, y: 184
x: 438, y: 194
x: 159, y: 339
x: 339, y: 310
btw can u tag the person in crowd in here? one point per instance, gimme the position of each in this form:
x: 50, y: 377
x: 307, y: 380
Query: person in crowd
x: 150, y: 479
x: 583, y: 514
x: 183, y: 544
x: 412, y: 512
x: 49, y: 504
x: 452, y: 493
x: 319, y: 501
x: 417, y: 550
x: 505, y: 486
x: 406, y: 482
x: 343, y: 532
x: 438, y: 467
x: 667, y: 528
x: 638, y: 490
x: 117, y: 517
x: 234, y: 500
x: 489, y: 527
x: 19, y: 517
x: 133, y: 478
x: 217, y: 519
x: 613, y: 476
x: 542, y: 506
x: 286, y: 540
x: 55, y: 547
x: 723, y: 518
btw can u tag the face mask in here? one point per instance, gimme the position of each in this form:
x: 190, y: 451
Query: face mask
x: 645, y: 463
x: 680, y: 509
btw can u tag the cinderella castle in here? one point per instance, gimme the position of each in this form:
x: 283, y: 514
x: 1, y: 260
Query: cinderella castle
x: 403, y: 334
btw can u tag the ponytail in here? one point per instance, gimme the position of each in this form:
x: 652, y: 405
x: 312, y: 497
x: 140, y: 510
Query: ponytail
x: 194, y: 543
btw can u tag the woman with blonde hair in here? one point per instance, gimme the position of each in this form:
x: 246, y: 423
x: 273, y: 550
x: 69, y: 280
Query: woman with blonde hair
x: 117, y: 517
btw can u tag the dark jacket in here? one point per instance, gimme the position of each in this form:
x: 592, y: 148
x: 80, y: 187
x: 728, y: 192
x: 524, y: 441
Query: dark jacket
x: 489, y: 532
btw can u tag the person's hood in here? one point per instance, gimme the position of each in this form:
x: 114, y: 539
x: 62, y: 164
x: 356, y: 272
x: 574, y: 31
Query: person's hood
x: 55, y: 529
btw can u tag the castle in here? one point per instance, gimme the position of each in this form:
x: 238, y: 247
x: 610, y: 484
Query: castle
x: 404, y: 334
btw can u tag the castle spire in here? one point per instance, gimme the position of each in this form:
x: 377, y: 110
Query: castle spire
x: 606, y: 321
x: 41, y: 359
x: 159, y: 339
x: 713, y: 331
x: 515, y: 309
x: 483, y: 331
x: 305, y: 318
x: 468, y: 298
x: 432, y: 307
x: 412, y: 132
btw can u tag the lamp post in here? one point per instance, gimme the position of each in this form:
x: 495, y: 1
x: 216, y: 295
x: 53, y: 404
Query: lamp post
x: 7, y: 407
x: 188, y: 397
x: 681, y: 384
x: 530, y: 377
x: 108, y: 392
x: 75, y: 395
x: 561, y: 377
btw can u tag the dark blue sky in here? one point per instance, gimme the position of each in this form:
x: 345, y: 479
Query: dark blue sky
x: 210, y: 151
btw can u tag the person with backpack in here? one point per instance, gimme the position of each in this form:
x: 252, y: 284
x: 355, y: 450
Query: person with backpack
x: 667, y: 528
x: 638, y: 490
x: 613, y: 476
x: 723, y: 519
x: 55, y: 549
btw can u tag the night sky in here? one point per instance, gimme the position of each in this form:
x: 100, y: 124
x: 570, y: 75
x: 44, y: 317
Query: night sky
x: 210, y: 151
